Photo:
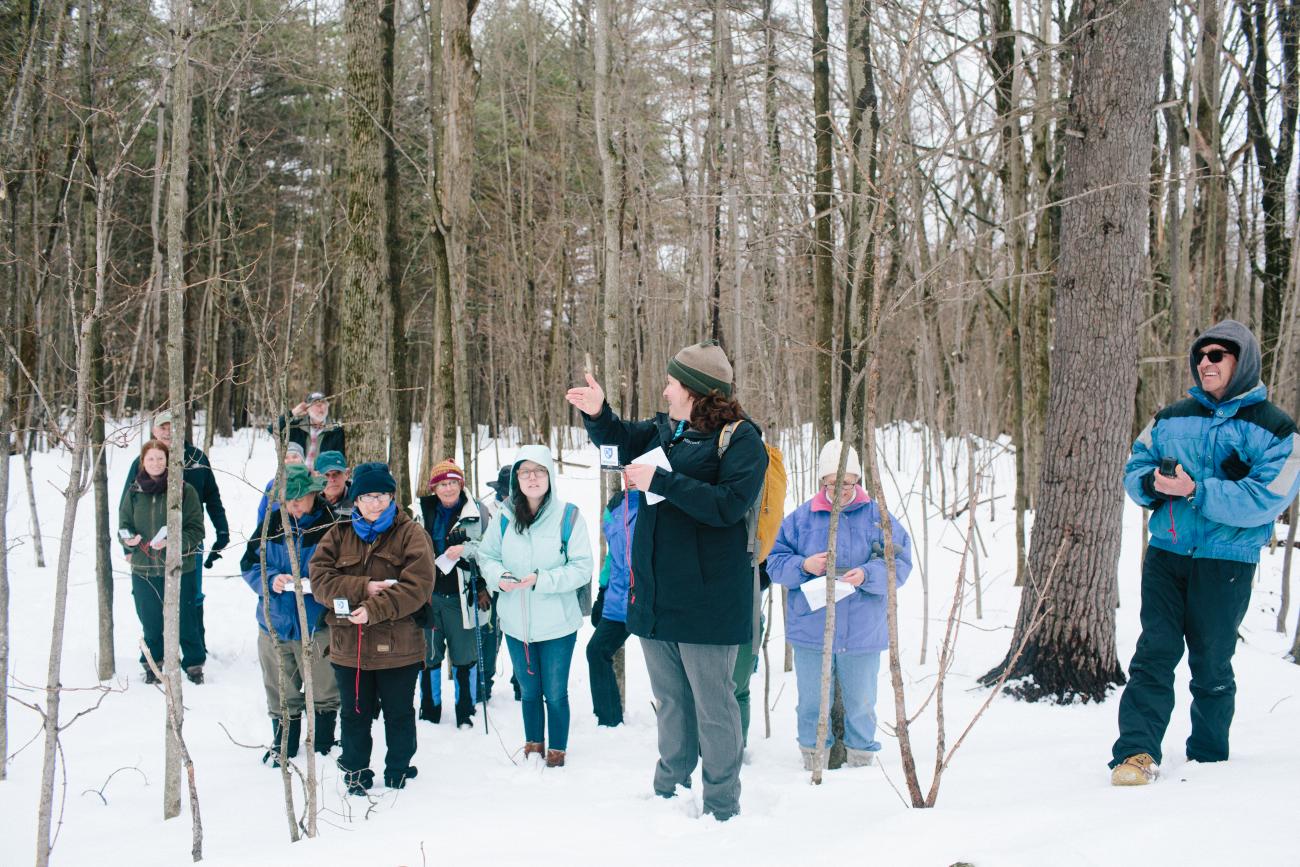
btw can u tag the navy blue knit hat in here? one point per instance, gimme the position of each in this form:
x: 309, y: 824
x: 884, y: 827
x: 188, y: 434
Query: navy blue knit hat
x: 372, y: 478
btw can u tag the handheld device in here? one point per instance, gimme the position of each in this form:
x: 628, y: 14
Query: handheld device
x: 1168, y: 467
x: 123, y: 533
x: 341, y: 607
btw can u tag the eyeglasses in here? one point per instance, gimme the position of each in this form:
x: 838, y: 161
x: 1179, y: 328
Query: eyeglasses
x: 372, y: 498
x: 1215, y: 355
x: 845, y: 486
x: 531, y: 474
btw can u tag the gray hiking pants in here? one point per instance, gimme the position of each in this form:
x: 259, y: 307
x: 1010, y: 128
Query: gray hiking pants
x: 698, y: 719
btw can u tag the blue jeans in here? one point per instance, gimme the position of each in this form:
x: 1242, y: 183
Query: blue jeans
x: 856, y: 675
x: 543, y: 671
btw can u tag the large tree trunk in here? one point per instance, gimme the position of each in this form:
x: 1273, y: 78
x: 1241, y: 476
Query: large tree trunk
x: 365, y: 298
x: 823, y: 243
x: 460, y: 82
x: 440, y: 382
x: 1094, y: 358
x: 399, y: 430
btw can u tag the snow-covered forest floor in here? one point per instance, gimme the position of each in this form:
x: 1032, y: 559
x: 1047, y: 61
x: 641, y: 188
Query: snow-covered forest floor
x: 1029, y: 787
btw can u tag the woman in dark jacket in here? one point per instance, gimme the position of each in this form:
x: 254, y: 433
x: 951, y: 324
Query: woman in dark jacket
x: 141, y: 514
x: 375, y: 574
x: 691, y: 585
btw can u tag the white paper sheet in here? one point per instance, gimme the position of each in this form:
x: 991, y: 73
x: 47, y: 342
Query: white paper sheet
x: 658, y: 459
x: 159, y: 537
x: 306, y: 586
x: 815, y: 592
x: 445, y: 563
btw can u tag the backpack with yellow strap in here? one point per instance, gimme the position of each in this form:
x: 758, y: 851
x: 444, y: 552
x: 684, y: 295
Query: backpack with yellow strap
x: 763, y: 521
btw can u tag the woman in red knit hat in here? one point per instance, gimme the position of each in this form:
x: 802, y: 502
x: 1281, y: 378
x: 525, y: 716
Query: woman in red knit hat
x: 452, y: 520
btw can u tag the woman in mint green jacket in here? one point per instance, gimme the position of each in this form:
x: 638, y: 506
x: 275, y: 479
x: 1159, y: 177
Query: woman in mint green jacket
x: 538, y: 571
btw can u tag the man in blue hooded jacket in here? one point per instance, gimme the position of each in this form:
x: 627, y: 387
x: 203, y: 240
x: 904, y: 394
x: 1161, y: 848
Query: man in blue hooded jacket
x: 1216, y: 469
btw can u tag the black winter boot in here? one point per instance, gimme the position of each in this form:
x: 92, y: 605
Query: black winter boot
x: 396, y: 779
x: 272, y: 756
x: 295, y: 735
x: 359, y: 782
x: 325, y: 741
x: 464, y: 698
x: 428, y: 710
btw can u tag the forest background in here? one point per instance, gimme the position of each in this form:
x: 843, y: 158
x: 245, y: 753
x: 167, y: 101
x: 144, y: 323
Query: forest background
x: 1003, y: 220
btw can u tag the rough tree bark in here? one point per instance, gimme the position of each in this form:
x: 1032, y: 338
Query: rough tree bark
x: 823, y: 243
x: 365, y: 300
x: 460, y: 81
x: 1110, y: 127
x: 399, y: 426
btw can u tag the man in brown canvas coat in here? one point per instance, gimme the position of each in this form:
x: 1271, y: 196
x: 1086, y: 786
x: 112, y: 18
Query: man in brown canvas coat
x: 379, y: 569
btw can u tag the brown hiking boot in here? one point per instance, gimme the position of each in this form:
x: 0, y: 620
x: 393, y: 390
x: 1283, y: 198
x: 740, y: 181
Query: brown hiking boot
x: 1135, y: 771
x: 555, y: 758
x: 534, y: 748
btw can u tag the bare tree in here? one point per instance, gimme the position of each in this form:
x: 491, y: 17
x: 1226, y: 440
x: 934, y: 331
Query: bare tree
x: 177, y: 184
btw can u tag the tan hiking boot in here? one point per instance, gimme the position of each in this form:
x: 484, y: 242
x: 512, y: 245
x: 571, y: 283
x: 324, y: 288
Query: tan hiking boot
x: 555, y: 758
x: 1135, y: 771
x: 536, y: 748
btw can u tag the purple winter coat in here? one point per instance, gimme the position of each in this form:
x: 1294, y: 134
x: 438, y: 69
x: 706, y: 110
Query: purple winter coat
x: 861, y: 623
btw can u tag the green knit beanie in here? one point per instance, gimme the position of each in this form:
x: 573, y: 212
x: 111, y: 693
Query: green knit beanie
x: 702, y: 368
x: 299, y: 482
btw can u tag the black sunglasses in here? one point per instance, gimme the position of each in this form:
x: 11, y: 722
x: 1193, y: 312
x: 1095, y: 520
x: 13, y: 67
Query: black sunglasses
x: 1215, y: 355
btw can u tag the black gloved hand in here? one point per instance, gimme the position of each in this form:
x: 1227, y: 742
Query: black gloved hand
x: 213, y: 557
x: 1234, y: 468
x: 223, y: 539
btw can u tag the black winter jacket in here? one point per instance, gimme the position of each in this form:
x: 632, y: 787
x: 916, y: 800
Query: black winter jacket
x: 332, y: 438
x: 692, y: 580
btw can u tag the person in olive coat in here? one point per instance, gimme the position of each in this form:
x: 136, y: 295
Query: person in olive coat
x: 141, y: 515
x: 197, y: 472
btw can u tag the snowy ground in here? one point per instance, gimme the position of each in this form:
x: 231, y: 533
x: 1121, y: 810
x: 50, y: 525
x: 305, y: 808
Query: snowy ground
x: 1030, y: 786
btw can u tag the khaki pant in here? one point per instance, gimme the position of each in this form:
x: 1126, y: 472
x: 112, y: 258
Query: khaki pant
x: 288, y: 659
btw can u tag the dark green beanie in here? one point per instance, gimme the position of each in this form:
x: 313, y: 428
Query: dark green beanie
x: 702, y: 368
x: 299, y: 482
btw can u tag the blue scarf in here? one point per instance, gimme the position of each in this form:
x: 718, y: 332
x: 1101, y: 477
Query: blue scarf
x: 369, y: 531
x: 443, y: 518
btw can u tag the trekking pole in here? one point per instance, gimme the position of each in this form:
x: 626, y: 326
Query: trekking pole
x: 478, y: 646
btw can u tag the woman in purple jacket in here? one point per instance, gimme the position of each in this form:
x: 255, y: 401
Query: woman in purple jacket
x: 861, y: 630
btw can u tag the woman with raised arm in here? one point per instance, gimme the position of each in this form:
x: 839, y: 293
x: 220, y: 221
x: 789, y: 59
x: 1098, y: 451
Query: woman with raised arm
x: 691, y: 581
